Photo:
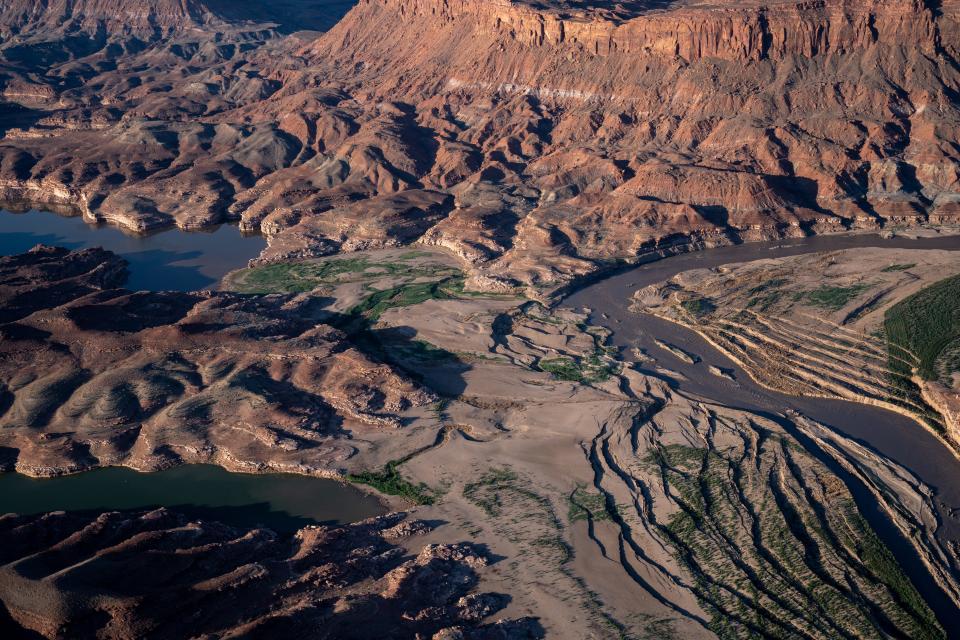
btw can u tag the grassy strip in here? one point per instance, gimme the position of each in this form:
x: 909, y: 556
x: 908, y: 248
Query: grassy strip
x: 766, y: 295
x: 898, y: 267
x: 389, y: 481
x: 583, y: 505
x: 832, y: 298
x: 877, y: 557
x: 483, y: 492
x: 919, y: 328
x: 794, y: 583
x: 298, y: 277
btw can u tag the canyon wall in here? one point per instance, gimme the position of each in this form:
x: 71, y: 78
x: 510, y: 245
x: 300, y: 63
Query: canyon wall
x: 159, y: 15
x: 743, y: 31
x: 554, y: 138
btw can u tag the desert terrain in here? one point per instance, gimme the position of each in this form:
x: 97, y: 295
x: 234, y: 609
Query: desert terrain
x: 603, y: 492
x: 538, y: 142
x: 875, y: 326
x: 440, y: 183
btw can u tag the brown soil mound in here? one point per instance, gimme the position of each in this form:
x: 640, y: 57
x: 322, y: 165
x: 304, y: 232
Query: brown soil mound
x: 93, y: 375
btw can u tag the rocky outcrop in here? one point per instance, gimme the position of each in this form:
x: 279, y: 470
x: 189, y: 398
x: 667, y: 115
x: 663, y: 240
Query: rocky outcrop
x: 67, y: 576
x: 727, y: 30
x: 17, y: 16
x: 567, y: 134
x: 92, y: 374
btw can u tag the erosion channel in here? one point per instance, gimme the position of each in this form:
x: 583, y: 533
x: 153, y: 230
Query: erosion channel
x: 889, y: 434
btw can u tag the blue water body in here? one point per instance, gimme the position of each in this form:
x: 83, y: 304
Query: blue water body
x: 170, y: 260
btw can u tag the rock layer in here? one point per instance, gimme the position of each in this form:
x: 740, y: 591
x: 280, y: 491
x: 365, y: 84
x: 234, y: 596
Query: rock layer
x: 548, y: 139
x: 70, y: 576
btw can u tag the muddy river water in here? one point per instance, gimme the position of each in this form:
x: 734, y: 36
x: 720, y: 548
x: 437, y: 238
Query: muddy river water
x: 896, y: 437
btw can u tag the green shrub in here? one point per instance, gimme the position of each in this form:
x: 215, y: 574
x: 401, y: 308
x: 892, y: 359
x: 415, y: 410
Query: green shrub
x: 833, y: 298
x: 389, y: 481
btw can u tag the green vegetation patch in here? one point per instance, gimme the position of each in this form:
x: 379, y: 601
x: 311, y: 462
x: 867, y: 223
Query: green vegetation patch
x: 813, y: 567
x: 485, y: 491
x: 562, y: 368
x: 832, y: 298
x: 587, y: 505
x: 298, y: 277
x: 407, y: 295
x: 879, y: 560
x: 698, y: 307
x: 557, y: 544
x: 923, y: 335
x: 389, y: 481
x: 898, y: 267
x: 764, y: 296
x: 921, y: 327
x: 589, y: 369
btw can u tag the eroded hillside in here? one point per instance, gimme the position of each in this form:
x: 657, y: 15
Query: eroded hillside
x: 536, y: 143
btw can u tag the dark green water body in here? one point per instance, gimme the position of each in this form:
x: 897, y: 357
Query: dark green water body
x: 282, y: 502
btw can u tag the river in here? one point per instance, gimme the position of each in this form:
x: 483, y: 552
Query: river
x: 189, y: 261
x: 894, y: 436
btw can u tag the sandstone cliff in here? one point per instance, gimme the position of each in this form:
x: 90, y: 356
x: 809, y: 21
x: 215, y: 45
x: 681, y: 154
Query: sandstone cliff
x: 555, y: 138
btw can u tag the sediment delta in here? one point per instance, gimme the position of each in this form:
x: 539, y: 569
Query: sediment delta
x: 855, y: 324
x: 609, y: 496
x: 432, y: 179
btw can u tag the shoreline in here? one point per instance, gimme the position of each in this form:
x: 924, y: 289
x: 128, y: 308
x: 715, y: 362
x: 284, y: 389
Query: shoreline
x: 388, y: 504
x: 893, y: 408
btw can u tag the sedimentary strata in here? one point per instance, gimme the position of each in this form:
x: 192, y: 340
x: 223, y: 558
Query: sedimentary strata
x: 737, y: 503
x: 536, y: 141
x: 822, y: 325
x: 157, y: 574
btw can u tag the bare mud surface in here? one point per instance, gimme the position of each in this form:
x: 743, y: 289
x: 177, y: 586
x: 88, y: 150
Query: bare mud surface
x: 638, y: 496
x: 881, y: 433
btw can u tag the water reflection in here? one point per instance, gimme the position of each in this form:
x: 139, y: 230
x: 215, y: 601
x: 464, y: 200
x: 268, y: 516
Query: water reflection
x: 170, y: 260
